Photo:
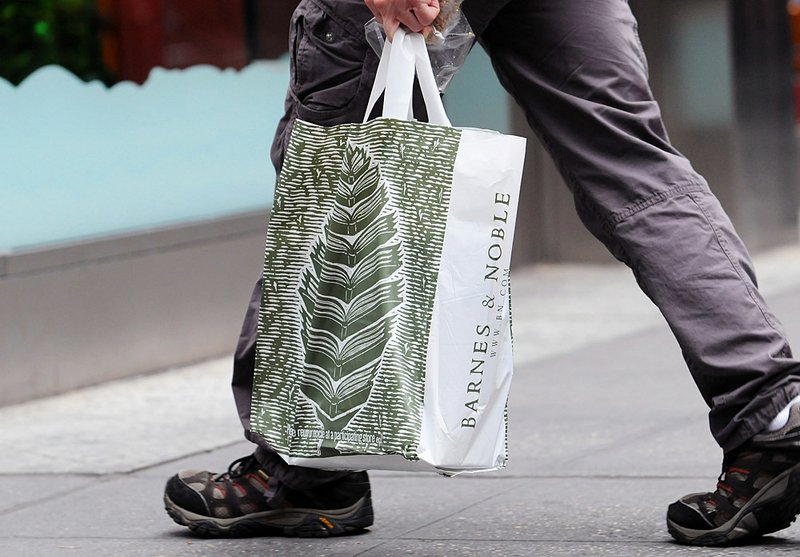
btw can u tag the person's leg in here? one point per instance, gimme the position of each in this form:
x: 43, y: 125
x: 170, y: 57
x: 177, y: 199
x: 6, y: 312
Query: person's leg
x: 578, y: 71
x: 332, y: 69
x: 331, y: 75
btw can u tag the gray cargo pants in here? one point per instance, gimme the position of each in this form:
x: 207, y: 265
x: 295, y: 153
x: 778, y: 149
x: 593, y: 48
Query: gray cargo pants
x: 577, y: 69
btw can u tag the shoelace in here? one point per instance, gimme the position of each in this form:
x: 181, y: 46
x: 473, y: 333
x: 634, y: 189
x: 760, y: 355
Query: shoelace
x: 237, y: 468
x: 729, y: 472
x: 721, y: 477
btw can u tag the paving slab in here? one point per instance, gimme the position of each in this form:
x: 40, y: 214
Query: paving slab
x: 471, y: 548
x: 183, y: 546
x: 361, y: 547
x: 216, y: 460
x: 122, y: 426
x: 25, y: 490
x: 622, y: 407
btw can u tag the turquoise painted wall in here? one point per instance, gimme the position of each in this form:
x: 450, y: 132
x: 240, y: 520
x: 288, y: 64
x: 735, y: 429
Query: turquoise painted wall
x: 80, y: 160
x: 475, y: 98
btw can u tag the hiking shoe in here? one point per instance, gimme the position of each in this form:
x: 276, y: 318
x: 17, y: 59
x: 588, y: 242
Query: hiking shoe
x: 244, y: 502
x: 757, y: 493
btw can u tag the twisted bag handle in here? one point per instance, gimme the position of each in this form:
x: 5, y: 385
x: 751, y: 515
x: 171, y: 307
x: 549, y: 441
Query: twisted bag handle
x: 400, y: 60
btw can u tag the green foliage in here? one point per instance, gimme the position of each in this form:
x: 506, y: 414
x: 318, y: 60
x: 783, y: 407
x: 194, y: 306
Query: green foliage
x: 349, y: 292
x: 34, y: 33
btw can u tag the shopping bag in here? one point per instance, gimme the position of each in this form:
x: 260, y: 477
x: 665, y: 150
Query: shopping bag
x: 384, y: 336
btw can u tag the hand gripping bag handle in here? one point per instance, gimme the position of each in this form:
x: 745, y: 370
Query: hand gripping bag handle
x: 400, y: 60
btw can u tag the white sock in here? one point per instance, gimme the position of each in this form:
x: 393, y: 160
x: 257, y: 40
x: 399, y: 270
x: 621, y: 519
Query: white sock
x: 783, y: 416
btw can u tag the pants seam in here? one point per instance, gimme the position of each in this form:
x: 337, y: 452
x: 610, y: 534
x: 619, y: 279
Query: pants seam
x: 723, y: 244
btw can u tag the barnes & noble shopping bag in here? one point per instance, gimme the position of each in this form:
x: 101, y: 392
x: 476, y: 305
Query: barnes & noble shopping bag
x: 384, y: 335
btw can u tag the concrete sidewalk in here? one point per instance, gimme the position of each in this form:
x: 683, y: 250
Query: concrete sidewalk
x: 606, y: 430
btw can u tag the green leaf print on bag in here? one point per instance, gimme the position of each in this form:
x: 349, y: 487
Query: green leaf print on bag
x: 349, y: 292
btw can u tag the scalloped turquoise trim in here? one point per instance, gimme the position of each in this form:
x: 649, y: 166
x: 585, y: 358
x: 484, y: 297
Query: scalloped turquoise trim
x: 81, y: 160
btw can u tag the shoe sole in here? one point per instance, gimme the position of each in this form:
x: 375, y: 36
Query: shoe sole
x: 295, y: 522
x: 773, y: 508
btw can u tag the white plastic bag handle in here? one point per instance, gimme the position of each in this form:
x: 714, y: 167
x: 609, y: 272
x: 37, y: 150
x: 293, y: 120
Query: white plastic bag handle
x: 395, y: 75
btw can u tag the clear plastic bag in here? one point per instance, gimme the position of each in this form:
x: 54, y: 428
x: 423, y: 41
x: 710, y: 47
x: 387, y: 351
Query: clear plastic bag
x: 447, y: 47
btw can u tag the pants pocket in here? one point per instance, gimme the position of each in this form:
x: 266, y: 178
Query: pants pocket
x: 332, y: 64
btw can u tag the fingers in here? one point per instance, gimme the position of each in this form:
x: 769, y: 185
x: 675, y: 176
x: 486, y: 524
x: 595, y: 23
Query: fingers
x: 415, y: 15
x: 425, y: 12
x: 371, y: 5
